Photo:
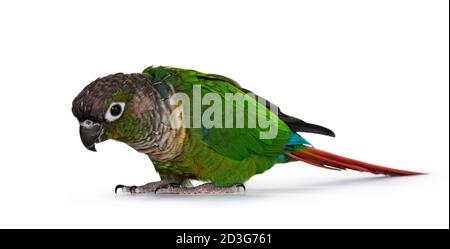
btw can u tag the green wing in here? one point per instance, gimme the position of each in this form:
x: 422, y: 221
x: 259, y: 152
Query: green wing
x: 241, y: 148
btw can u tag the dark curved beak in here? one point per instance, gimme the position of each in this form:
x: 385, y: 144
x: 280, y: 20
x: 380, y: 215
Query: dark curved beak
x: 90, y: 134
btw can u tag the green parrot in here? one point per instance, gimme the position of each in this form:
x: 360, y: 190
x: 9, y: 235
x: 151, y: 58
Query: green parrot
x: 162, y: 112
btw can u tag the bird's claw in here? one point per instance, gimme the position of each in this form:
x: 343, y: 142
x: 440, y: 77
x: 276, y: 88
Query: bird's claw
x: 240, y: 185
x: 131, y: 189
x: 120, y: 186
x: 176, y: 188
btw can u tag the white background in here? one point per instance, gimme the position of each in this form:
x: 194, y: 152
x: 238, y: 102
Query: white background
x: 376, y: 72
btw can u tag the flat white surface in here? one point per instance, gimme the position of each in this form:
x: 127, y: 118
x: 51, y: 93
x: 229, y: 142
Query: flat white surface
x: 376, y: 72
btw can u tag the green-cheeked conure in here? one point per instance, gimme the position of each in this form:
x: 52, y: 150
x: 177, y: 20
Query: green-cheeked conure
x: 167, y: 113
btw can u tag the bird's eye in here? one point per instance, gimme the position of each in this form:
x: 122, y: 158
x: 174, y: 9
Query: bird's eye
x: 114, y: 112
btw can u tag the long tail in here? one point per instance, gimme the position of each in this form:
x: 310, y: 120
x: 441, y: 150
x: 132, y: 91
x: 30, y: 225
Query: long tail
x: 327, y: 160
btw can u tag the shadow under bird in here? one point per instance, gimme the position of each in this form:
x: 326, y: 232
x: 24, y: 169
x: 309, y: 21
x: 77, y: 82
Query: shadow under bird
x: 138, y: 109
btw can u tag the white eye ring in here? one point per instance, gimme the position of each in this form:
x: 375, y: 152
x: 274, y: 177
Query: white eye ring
x: 114, y: 111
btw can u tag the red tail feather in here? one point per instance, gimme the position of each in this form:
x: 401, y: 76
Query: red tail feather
x: 327, y: 160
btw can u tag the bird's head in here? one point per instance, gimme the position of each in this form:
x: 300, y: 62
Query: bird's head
x: 114, y: 107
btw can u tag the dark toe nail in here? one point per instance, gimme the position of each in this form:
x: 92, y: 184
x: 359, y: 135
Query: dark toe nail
x: 133, y: 189
x: 117, y: 188
x: 158, y: 188
x: 241, y: 185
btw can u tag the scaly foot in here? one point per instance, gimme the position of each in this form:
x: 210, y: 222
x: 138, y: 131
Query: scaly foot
x: 147, y: 188
x: 205, y: 189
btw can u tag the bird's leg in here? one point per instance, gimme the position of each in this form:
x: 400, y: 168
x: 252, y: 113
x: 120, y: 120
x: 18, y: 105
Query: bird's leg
x: 166, y: 179
x: 149, y: 187
x: 204, y: 189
